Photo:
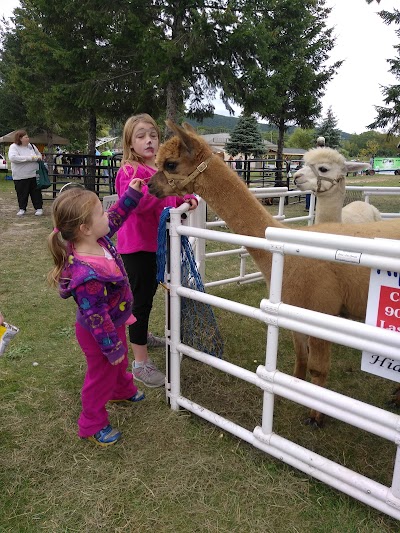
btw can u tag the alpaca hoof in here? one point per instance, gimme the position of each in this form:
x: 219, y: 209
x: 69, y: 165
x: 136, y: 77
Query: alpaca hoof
x: 313, y: 422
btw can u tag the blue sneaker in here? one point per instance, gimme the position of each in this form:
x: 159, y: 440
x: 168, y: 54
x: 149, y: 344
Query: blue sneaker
x: 106, y: 436
x: 138, y: 397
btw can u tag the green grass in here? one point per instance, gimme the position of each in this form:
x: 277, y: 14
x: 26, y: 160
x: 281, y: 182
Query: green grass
x: 172, y: 472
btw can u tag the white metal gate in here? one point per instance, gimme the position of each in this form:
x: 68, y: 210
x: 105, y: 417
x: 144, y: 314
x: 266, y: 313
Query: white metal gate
x: 275, y: 314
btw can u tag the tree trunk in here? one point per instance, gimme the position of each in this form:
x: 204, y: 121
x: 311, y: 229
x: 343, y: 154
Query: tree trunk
x: 90, y: 174
x: 50, y: 160
x: 279, y: 155
x: 174, y: 103
x: 174, y: 85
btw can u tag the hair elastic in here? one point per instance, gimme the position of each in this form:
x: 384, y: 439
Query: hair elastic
x: 56, y: 230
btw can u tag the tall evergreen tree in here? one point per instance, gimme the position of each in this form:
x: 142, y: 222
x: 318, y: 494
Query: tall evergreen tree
x: 285, y: 77
x: 388, y: 116
x: 193, y: 38
x: 120, y: 57
x: 70, y: 65
x: 246, y: 139
x: 328, y: 129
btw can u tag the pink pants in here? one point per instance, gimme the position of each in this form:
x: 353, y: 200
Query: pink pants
x: 103, y: 382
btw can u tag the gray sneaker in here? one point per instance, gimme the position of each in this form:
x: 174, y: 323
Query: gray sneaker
x: 148, y: 374
x: 155, y: 342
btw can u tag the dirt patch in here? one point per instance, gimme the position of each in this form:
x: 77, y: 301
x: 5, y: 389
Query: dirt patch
x: 26, y: 225
x: 29, y: 228
x: 7, y: 207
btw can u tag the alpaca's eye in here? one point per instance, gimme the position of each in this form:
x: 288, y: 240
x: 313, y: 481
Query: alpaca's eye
x: 170, y: 166
x: 323, y: 169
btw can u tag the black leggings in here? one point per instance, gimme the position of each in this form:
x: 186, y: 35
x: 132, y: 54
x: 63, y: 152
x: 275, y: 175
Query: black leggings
x: 25, y: 188
x: 141, y: 268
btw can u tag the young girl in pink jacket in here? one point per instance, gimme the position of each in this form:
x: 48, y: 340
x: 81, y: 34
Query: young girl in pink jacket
x: 137, y: 239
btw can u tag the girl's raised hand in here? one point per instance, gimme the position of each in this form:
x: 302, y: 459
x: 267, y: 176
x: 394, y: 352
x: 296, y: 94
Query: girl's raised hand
x: 136, y: 184
x: 192, y: 202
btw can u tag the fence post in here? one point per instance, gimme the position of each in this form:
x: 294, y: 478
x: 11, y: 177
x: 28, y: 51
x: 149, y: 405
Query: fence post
x: 175, y: 306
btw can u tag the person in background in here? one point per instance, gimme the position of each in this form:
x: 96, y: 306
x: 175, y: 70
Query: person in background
x: 66, y: 161
x: 239, y: 166
x: 24, y: 158
x: 105, y: 162
x: 77, y: 162
x: 288, y: 167
x: 88, y: 268
x: 137, y: 239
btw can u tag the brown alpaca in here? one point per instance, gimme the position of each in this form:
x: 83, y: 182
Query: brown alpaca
x: 187, y: 165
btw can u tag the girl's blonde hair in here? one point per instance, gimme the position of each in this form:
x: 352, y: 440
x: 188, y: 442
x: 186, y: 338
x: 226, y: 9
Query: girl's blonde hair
x: 129, y: 155
x: 71, y: 208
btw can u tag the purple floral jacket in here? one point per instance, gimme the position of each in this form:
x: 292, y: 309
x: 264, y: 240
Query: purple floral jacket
x: 104, y: 302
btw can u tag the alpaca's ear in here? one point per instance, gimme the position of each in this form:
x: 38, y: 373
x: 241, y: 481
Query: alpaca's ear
x: 181, y: 133
x: 188, y: 127
x: 354, y: 166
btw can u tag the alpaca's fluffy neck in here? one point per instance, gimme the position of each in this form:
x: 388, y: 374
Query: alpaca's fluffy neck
x: 330, y: 203
x: 229, y: 197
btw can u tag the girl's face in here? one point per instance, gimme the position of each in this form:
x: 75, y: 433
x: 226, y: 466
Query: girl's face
x: 144, y: 141
x: 99, y: 223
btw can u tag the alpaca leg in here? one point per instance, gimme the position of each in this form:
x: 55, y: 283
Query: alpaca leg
x: 300, y: 342
x: 319, y: 362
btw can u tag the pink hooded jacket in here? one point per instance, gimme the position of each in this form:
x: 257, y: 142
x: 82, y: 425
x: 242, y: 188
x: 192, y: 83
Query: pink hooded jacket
x: 139, y: 232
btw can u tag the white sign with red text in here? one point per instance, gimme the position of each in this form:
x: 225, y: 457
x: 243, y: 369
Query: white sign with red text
x: 383, y: 311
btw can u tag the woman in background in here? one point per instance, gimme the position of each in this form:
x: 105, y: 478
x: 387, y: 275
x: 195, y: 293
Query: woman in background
x: 24, y: 158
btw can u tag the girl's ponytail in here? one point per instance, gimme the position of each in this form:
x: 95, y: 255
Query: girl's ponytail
x: 58, y: 251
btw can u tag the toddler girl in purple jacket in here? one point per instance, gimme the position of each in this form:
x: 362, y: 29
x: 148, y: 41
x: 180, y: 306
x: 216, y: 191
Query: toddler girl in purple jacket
x: 89, y: 268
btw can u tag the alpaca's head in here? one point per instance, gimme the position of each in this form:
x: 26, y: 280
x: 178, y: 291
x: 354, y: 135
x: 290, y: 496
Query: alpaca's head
x: 323, y: 169
x: 181, y: 161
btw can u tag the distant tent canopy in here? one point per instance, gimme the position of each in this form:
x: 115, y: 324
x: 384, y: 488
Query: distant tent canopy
x: 46, y: 138
x: 105, y: 140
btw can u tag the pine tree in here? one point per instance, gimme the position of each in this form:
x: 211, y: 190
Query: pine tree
x: 328, y: 130
x: 282, y: 72
x: 246, y: 139
x: 388, y: 117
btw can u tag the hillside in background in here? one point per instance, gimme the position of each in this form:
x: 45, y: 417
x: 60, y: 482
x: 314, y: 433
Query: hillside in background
x: 221, y: 123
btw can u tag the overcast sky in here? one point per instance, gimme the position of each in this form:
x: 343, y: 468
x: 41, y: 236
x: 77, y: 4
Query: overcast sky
x: 364, y: 42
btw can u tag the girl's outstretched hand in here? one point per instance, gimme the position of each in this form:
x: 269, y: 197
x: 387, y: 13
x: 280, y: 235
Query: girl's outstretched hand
x: 192, y: 202
x: 136, y: 184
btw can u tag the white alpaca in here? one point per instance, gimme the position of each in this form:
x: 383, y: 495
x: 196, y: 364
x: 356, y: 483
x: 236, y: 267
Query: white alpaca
x: 324, y: 173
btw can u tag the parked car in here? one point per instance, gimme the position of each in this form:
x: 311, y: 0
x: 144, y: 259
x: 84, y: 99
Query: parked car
x: 3, y: 163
